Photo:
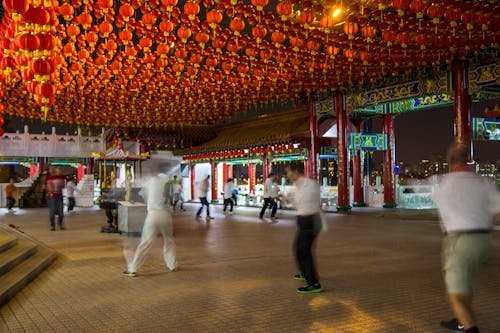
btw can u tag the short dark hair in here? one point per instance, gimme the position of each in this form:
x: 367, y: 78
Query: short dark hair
x: 270, y: 175
x: 458, y: 154
x: 229, y: 180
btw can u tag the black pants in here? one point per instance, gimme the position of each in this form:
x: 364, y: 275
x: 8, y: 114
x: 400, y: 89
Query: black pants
x: 308, y: 227
x: 204, y: 202
x: 269, y: 202
x: 71, y: 203
x: 10, y: 202
x: 176, y: 199
x: 110, y: 216
x: 230, y: 203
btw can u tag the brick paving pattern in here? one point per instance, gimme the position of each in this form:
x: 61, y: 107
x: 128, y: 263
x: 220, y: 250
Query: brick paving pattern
x: 380, y: 272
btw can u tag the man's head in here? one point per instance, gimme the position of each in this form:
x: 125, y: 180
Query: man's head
x: 294, y: 172
x: 12, y: 180
x: 229, y: 180
x: 457, y: 155
x: 271, y: 176
x: 56, y: 170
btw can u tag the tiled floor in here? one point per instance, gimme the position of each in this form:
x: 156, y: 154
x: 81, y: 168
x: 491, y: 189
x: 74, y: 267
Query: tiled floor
x: 380, y: 271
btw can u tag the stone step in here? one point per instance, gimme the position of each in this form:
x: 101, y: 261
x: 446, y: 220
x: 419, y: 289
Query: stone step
x: 25, y: 272
x: 7, y: 241
x: 15, y: 255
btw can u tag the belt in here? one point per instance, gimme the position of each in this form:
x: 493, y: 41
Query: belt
x: 472, y: 231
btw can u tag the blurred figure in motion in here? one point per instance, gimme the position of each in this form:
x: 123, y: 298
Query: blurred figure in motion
x: 306, y: 199
x: 203, y: 190
x: 9, y: 194
x: 70, y: 193
x: 467, y: 205
x: 228, y: 195
x: 268, y: 199
x: 177, y: 194
x: 54, y: 185
x: 158, y: 220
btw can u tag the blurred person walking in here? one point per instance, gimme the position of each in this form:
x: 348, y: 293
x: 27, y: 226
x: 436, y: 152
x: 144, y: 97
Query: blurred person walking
x: 306, y: 199
x: 70, y: 193
x: 268, y: 200
x: 54, y: 185
x: 10, y: 189
x: 228, y: 195
x: 203, y: 191
x: 158, y: 220
x: 177, y: 194
x: 467, y: 205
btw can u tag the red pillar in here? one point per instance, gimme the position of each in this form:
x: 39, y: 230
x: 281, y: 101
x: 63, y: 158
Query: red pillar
x: 225, y: 175
x: 313, y: 131
x: 389, y: 185
x: 41, y: 165
x: 251, y: 177
x: 193, y: 186
x: 213, y: 180
x: 90, y: 166
x: 80, y: 172
x: 357, y: 176
x: 343, y: 167
x: 230, y: 171
x: 462, y: 105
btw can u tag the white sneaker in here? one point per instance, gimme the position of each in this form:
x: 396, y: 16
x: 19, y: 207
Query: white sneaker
x: 230, y: 213
x: 210, y: 218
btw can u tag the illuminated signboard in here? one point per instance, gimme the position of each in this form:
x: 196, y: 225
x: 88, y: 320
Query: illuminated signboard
x: 368, y: 141
x: 486, y: 129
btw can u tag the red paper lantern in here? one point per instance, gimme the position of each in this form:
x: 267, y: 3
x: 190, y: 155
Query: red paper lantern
x: 17, y: 7
x: 260, y: 3
x: 400, y: 6
x: 27, y: 42
x: 284, y: 8
x: 191, y: 9
x: 126, y: 11
x: 351, y: 29
x: 237, y: 25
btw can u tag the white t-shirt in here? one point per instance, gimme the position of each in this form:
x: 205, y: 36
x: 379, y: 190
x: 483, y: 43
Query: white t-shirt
x: 276, y: 191
x: 466, y: 201
x: 203, y: 188
x: 70, y: 189
x: 228, y: 190
x: 268, y: 188
x: 306, y: 196
x: 177, y: 188
x: 154, y: 192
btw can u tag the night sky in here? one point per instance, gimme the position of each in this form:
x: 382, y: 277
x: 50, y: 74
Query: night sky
x: 428, y: 133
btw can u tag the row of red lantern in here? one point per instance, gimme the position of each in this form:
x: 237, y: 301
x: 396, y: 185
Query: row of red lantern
x: 240, y: 153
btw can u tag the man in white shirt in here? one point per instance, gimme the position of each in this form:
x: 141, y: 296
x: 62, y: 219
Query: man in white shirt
x: 158, y: 220
x: 203, y: 190
x: 268, y: 200
x: 177, y: 194
x: 228, y: 195
x: 70, y: 193
x: 467, y: 205
x: 306, y: 199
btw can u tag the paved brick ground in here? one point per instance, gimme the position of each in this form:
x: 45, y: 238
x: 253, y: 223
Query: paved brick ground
x: 380, y: 271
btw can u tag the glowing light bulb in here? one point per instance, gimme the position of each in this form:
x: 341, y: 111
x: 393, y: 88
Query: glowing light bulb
x: 336, y: 12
